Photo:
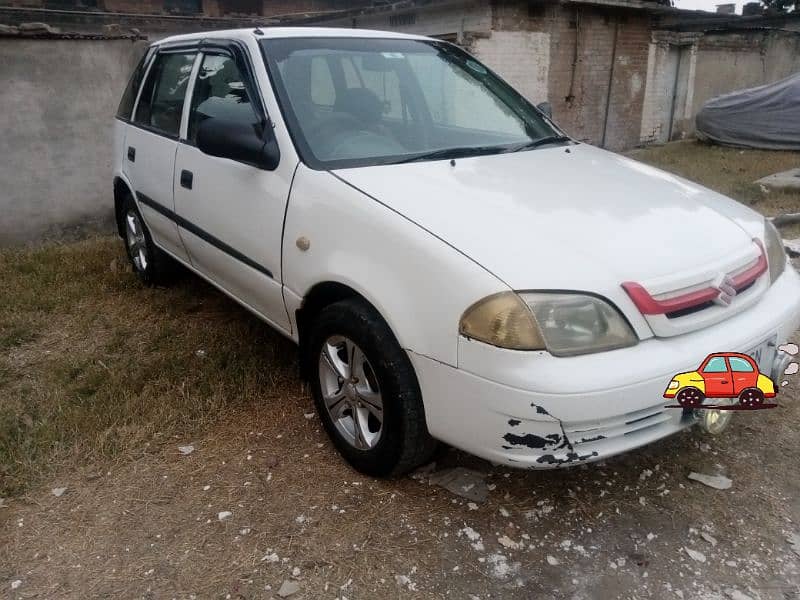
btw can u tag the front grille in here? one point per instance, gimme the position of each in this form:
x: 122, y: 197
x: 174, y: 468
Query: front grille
x: 697, y: 308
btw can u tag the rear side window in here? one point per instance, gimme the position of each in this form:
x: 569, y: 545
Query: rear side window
x: 161, y: 102
x: 129, y: 96
x: 220, y: 92
x: 740, y: 365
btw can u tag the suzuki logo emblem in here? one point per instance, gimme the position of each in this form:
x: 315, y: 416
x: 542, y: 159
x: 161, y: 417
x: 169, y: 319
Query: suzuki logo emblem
x: 727, y: 292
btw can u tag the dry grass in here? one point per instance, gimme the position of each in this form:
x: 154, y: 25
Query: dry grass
x: 92, y: 363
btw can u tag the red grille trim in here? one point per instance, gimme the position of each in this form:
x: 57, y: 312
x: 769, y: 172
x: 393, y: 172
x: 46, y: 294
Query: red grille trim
x: 648, y: 305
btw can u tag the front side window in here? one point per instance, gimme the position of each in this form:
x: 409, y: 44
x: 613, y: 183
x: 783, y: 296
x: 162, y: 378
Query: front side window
x: 161, y: 102
x: 740, y: 365
x: 220, y: 92
x: 716, y: 365
x: 367, y: 101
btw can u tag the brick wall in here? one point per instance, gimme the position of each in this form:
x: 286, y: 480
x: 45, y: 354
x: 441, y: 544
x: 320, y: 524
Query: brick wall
x: 597, y: 91
x: 521, y: 57
x: 576, y: 79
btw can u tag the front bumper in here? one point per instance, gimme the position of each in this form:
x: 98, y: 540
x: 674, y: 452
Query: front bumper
x: 534, y: 410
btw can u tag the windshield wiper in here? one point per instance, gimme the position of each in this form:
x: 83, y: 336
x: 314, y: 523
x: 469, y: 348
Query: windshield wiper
x: 550, y: 139
x: 450, y: 153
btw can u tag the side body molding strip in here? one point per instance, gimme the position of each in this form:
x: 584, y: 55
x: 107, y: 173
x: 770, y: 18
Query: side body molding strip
x: 202, y: 233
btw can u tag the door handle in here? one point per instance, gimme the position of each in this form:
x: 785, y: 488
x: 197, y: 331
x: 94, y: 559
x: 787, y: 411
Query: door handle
x: 186, y: 179
x: 131, y: 154
x: 723, y: 381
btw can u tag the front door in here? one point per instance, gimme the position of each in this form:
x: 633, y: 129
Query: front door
x: 719, y: 383
x: 151, y: 142
x: 230, y: 213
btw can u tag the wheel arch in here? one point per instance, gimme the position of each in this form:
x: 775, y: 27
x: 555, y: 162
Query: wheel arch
x: 320, y: 296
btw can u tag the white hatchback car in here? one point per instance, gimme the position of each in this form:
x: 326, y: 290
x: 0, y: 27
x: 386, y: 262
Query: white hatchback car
x: 451, y: 264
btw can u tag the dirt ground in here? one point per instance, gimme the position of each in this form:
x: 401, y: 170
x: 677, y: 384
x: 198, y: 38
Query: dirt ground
x: 101, y: 382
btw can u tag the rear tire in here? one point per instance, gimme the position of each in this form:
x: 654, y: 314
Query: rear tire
x: 366, y: 391
x: 751, y: 397
x: 151, y: 265
x: 690, y: 397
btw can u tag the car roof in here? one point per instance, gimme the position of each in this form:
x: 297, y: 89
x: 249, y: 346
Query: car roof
x: 288, y: 32
x: 731, y: 354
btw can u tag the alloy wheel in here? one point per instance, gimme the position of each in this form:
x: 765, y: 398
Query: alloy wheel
x: 350, y: 392
x: 137, y: 243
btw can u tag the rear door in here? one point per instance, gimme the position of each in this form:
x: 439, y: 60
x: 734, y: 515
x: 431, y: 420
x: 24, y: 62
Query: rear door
x: 152, y: 140
x: 231, y: 213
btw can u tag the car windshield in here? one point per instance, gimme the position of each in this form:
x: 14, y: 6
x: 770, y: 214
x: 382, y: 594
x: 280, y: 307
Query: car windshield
x: 365, y: 101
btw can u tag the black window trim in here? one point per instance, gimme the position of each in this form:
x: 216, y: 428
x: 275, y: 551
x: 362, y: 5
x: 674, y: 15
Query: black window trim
x: 144, y: 63
x: 238, y: 52
x: 236, y: 48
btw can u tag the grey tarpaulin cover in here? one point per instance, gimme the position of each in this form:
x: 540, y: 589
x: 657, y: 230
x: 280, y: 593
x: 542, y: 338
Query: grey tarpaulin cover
x: 767, y: 116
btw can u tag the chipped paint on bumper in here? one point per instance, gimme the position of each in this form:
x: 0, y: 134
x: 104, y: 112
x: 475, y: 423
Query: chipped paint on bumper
x: 534, y: 410
x: 511, y: 426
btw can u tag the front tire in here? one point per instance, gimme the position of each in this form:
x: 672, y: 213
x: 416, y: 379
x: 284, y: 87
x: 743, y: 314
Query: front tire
x: 150, y: 264
x: 366, y: 391
x: 690, y: 397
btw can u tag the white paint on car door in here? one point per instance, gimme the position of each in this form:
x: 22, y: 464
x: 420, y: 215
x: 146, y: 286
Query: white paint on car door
x: 232, y: 215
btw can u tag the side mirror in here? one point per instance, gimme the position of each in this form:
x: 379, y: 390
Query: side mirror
x: 238, y: 141
x: 546, y: 109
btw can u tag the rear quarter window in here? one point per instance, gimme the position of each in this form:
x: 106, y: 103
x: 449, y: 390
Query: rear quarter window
x: 132, y: 89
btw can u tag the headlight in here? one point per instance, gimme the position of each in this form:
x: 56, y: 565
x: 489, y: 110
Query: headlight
x: 674, y: 384
x: 565, y: 324
x: 502, y: 320
x: 578, y: 324
x: 776, y: 254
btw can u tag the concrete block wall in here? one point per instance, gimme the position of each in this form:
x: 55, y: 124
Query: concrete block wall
x: 731, y: 61
x: 711, y: 64
x: 56, y: 117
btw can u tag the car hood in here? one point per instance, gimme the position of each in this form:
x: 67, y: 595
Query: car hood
x: 563, y: 217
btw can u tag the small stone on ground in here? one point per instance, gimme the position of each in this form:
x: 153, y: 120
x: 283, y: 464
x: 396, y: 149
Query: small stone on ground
x: 288, y: 588
x: 718, y: 482
x: 462, y: 482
